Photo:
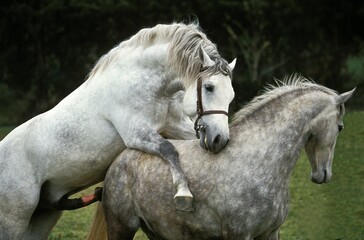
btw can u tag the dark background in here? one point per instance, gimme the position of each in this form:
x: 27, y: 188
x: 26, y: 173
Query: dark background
x: 48, y: 47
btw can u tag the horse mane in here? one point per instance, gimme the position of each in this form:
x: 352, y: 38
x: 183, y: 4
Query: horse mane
x: 272, y: 91
x: 184, y: 55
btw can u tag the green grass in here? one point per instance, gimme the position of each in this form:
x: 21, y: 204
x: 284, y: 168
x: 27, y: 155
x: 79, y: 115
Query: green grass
x: 333, y: 211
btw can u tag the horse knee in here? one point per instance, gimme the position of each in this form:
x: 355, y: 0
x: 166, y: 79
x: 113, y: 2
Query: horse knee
x: 168, y: 151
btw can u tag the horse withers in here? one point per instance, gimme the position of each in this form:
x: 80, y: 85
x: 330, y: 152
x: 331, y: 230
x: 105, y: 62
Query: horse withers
x: 126, y: 102
x: 242, y: 192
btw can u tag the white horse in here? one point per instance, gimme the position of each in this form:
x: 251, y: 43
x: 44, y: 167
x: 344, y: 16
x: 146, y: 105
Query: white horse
x: 242, y: 192
x: 132, y: 96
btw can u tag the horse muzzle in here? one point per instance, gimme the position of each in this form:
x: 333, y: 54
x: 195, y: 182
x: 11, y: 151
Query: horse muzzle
x: 211, y: 140
x: 320, y: 177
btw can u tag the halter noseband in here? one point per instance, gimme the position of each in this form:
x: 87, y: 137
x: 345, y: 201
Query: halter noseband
x: 200, y: 111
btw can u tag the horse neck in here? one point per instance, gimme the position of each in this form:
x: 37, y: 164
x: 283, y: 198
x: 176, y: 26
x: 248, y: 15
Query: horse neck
x: 276, y: 137
x: 128, y: 65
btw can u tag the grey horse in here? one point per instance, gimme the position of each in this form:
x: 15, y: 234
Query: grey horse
x: 141, y: 91
x: 241, y: 193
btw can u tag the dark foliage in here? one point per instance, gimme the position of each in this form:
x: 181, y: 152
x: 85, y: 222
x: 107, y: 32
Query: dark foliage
x: 48, y: 47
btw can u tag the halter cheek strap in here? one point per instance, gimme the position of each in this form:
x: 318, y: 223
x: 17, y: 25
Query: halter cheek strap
x: 200, y: 111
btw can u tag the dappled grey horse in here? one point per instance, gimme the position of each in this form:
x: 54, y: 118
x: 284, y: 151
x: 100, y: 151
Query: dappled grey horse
x: 133, y: 96
x: 242, y: 192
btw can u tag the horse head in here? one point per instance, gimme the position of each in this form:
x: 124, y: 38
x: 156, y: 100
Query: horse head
x: 323, y: 134
x: 213, y: 92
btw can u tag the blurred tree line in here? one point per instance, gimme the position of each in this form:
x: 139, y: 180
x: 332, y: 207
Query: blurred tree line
x: 49, y: 46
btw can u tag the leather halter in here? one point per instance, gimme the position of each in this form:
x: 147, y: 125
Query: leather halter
x: 200, y: 111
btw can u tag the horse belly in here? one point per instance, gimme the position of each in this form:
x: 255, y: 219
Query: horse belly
x: 85, y: 166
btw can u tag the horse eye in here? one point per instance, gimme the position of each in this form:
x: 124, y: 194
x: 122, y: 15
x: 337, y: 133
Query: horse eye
x: 340, y: 127
x: 209, y: 87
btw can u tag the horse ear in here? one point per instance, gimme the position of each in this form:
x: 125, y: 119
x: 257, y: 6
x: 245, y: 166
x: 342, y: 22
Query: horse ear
x: 342, y: 98
x: 232, y: 64
x: 207, y: 62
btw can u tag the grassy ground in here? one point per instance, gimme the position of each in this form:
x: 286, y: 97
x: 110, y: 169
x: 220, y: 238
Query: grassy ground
x: 333, y: 211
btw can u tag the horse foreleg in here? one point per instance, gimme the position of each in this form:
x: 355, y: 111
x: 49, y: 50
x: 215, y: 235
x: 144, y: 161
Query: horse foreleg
x: 183, y: 198
x: 152, y: 142
x: 117, y: 229
x: 274, y: 235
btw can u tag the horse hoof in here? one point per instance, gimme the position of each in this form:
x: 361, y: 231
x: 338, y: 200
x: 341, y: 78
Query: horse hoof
x: 184, y: 204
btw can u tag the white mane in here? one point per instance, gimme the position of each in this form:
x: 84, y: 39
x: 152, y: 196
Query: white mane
x: 184, y: 55
x: 288, y: 84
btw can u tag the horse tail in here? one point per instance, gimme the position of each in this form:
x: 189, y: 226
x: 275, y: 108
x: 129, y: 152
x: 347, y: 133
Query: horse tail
x: 98, y: 229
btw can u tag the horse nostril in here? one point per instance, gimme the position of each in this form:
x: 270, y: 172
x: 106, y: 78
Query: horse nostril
x: 217, y: 139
